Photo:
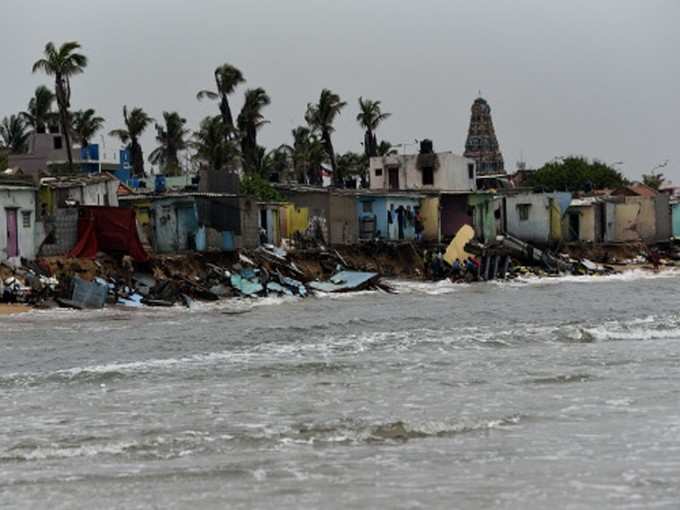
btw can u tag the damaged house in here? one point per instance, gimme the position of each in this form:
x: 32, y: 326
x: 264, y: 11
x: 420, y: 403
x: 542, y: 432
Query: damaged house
x: 536, y: 217
x: 445, y: 180
x: 17, y: 222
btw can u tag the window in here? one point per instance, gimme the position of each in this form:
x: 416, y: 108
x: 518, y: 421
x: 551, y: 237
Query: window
x: 53, y: 129
x: 378, y: 172
x: 367, y: 207
x: 428, y: 176
x: 471, y: 170
x: 523, y: 211
x: 58, y: 143
x: 26, y: 219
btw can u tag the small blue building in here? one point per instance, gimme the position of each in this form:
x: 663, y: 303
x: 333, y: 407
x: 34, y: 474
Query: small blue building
x: 389, y: 216
x: 174, y: 223
x: 675, y: 211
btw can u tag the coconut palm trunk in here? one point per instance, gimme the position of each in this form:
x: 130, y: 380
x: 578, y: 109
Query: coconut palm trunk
x: 63, y: 102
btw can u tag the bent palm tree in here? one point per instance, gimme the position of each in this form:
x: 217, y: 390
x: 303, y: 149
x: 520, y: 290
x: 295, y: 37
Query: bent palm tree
x: 249, y: 121
x: 63, y: 63
x: 40, y: 114
x: 171, y: 140
x: 13, y: 134
x: 227, y: 78
x: 86, y: 123
x: 370, y: 117
x: 135, y: 124
x: 211, y: 146
x: 321, y: 117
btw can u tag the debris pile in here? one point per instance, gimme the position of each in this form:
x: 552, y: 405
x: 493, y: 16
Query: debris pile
x: 171, y: 280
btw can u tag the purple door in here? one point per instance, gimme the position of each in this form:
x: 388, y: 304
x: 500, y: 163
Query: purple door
x: 12, y: 238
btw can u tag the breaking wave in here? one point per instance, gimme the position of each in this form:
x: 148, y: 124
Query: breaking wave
x: 180, y: 444
x: 625, y: 276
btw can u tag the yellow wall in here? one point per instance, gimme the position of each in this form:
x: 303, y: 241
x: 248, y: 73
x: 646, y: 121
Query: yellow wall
x: 429, y: 213
x: 297, y: 219
x: 587, y: 224
x: 635, y: 219
x: 46, y: 196
x: 555, y: 220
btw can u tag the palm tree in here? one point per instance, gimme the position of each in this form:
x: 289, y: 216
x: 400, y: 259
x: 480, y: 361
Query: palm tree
x: 249, y: 121
x: 212, y: 147
x: 171, y: 139
x: 308, y: 154
x: 352, y: 165
x: 63, y: 63
x: 370, y: 117
x: 227, y: 78
x: 385, y: 149
x: 13, y: 134
x: 40, y: 114
x: 86, y: 123
x: 321, y: 117
x: 135, y: 124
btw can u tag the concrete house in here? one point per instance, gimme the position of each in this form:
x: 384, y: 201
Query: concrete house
x: 43, y: 149
x: 487, y: 213
x: 675, y: 218
x: 443, y: 171
x: 174, y: 221
x: 642, y: 214
x: 590, y: 219
x: 59, y: 192
x: 17, y: 222
x: 536, y: 217
x: 446, y: 181
x: 329, y: 211
x: 389, y: 216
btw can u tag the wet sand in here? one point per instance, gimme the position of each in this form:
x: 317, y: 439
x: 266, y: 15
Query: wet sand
x: 12, y: 309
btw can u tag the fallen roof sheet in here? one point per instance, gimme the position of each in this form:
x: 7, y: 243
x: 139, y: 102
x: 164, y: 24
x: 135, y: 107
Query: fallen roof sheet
x: 345, y: 281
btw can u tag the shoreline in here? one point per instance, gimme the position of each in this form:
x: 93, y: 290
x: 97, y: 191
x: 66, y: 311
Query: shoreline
x: 401, y: 285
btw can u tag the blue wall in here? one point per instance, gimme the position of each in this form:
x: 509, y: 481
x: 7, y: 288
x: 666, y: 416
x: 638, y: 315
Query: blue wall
x: 380, y: 207
x: 676, y: 220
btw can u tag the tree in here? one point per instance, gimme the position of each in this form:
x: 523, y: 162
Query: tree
x: 254, y: 185
x: 653, y: 180
x: 212, y: 147
x: 86, y: 123
x: 63, y: 63
x: 386, y: 149
x: 370, y: 117
x: 275, y: 164
x: 40, y: 114
x: 4, y: 161
x: 308, y: 154
x: 249, y: 121
x: 321, y: 117
x: 575, y: 173
x: 352, y: 165
x: 171, y: 140
x: 14, y: 135
x: 135, y: 124
x: 227, y: 78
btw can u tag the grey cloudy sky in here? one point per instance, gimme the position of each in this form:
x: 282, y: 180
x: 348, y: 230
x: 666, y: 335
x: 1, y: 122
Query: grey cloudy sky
x: 592, y: 77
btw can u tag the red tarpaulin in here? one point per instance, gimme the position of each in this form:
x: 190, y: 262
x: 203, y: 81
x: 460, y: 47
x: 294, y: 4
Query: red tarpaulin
x: 108, y: 229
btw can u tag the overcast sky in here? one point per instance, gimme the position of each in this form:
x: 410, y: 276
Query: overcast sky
x: 592, y: 77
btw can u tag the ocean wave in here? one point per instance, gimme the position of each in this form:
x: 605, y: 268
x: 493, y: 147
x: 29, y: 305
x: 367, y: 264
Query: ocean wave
x: 624, y: 276
x: 429, y: 288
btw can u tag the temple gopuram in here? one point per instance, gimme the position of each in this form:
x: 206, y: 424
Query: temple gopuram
x: 482, y: 144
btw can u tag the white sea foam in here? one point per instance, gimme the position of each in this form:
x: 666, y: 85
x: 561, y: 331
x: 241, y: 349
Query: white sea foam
x: 625, y: 276
x: 431, y: 288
